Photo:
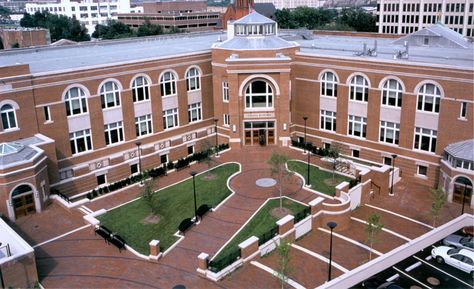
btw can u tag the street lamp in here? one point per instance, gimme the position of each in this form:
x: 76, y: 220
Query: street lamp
x: 331, y: 226
x: 138, y: 144
x: 193, y: 174
x: 309, y: 161
x: 305, y: 118
x: 217, y: 141
x: 394, y: 156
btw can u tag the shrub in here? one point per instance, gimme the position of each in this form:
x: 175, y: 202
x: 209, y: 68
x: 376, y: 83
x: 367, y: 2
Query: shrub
x: 170, y: 165
x: 202, y: 210
x: 185, y: 225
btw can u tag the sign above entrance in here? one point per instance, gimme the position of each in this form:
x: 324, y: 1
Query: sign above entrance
x: 259, y: 115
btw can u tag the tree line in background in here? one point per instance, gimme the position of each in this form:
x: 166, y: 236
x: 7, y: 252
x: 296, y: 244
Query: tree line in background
x: 115, y: 29
x: 347, y: 19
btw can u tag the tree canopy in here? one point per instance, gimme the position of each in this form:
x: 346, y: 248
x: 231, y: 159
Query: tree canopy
x: 60, y: 26
x: 115, y: 29
x: 4, y: 14
x: 318, y: 18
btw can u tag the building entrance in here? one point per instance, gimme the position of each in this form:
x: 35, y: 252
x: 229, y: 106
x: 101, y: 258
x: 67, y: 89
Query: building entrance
x: 23, y: 201
x: 462, y: 186
x: 259, y: 132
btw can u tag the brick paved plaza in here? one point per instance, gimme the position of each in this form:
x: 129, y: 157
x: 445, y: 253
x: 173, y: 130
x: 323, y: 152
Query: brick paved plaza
x: 69, y: 255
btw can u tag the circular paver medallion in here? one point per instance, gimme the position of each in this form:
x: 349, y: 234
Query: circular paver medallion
x: 433, y: 281
x: 266, y: 182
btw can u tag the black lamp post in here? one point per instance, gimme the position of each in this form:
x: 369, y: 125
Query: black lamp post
x: 331, y: 226
x: 138, y: 144
x: 309, y: 162
x: 193, y: 174
x: 305, y: 118
x: 217, y: 141
x: 394, y: 156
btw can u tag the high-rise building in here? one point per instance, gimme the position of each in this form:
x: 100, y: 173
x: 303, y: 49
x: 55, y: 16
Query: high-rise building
x: 408, y: 16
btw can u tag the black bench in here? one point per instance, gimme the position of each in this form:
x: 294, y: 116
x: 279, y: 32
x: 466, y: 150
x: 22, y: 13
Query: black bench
x: 118, y: 242
x: 185, y: 225
x: 104, y: 232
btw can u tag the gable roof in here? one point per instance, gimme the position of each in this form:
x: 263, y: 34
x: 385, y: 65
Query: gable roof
x: 254, y: 18
x: 451, y: 38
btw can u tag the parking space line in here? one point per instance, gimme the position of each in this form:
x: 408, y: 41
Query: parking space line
x: 351, y: 241
x: 398, y: 215
x: 275, y: 273
x: 60, y: 236
x: 419, y: 282
x: 454, y: 277
x: 385, y: 230
x: 320, y: 257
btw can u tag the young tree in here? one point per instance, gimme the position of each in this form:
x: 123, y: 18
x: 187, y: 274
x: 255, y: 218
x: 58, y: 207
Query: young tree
x: 278, y: 169
x: 284, y: 258
x: 334, y: 151
x: 372, y: 229
x: 438, y: 200
x: 207, y: 147
x: 147, y: 196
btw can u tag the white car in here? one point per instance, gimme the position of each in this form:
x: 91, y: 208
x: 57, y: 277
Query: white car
x: 460, y: 258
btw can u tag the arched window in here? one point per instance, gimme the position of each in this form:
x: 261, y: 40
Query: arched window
x: 110, y: 95
x: 7, y: 113
x: 329, y: 84
x: 193, y: 79
x: 392, y: 93
x: 140, y: 89
x: 168, y: 84
x: 359, y: 88
x: 429, y: 96
x: 259, y: 94
x: 76, y: 102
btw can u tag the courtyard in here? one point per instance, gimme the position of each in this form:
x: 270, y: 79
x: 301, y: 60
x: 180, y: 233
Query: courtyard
x: 69, y: 254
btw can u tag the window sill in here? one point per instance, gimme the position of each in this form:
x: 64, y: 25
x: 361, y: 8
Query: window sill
x: 391, y: 106
x: 10, y: 130
x: 423, y: 177
x: 112, y: 108
x: 142, y: 101
x: 48, y: 122
x: 171, y: 95
x: 328, y: 97
x: 462, y: 118
x: 259, y: 109
x: 358, y: 101
x: 427, y: 112
x: 115, y: 144
x: 77, y: 115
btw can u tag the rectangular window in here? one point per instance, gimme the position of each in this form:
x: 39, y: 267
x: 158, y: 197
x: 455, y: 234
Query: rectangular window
x: 190, y: 150
x: 327, y: 146
x: 66, y: 174
x: 101, y: 179
x: 355, y: 153
x: 422, y: 170
x: 170, y: 118
x: 80, y: 141
x: 164, y: 159
x: 194, y: 112
x: 328, y: 120
x: 389, y: 132
x: 425, y: 139
x: 357, y: 126
x: 143, y: 125
x: 226, y: 120
x: 134, y: 169
x: 113, y: 133
x: 463, y: 112
x: 387, y: 161
x: 47, y: 113
x: 225, y: 91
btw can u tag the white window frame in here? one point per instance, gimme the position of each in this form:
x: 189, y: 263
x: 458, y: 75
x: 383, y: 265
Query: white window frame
x: 357, y: 122
x: 168, y: 84
x: 225, y: 91
x: 109, y: 130
x: 194, y: 112
x: 424, y: 132
x: 110, y: 96
x: 8, y: 116
x: 328, y: 84
x: 418, y: 171
x: 423, y: 96
x: 386, y: 128
x: 80, y: 100
x: 463, y: 111
x: 249, y: 95
x: 193, y: 79
x: 392, y: 92
x: 143, y: 125
x: 359, y: 82
x: 144, y: 87
x: 226, y: 118
x: 328, y: 116
x: 170, y: 118
x: 47, y: 114
x: 85, y: 136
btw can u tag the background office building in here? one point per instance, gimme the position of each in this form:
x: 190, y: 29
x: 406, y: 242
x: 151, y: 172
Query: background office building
x: 408, y: 16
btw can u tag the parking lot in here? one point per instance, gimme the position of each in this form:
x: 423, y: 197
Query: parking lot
x: 421, y: 271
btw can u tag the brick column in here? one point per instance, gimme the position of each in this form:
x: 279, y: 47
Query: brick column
x: 286, y: 224
x: 316, y: 205
x: 154, y: 249
x: 248, y: 247
x: 203, y: 260
x: 342, y: 187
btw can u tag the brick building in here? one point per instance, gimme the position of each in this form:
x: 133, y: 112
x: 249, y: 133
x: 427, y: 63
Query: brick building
x: 79, y: 122
x: 23, y: 37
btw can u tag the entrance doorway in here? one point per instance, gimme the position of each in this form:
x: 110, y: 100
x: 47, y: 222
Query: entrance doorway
x: 259, y: 132
x: 462, y: 186
x: 23, y: 201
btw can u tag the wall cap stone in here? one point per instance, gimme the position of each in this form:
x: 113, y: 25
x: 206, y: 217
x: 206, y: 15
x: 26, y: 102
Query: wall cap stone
x: 284, y: 220
x: 248, y: 242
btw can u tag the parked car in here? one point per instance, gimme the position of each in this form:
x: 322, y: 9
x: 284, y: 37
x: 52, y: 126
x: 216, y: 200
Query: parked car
x: 457, y: 241
x: 469, y: 230
x: 379, y: 283
x: 459, y: 258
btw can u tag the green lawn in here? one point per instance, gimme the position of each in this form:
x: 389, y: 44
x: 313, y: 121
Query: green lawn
x: 261, y: 223
x: 317, y: 177
x: 174, y: 203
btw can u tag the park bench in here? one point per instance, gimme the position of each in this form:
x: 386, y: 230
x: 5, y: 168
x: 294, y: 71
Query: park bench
x: 104, y: 232
x: 118, y: 242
